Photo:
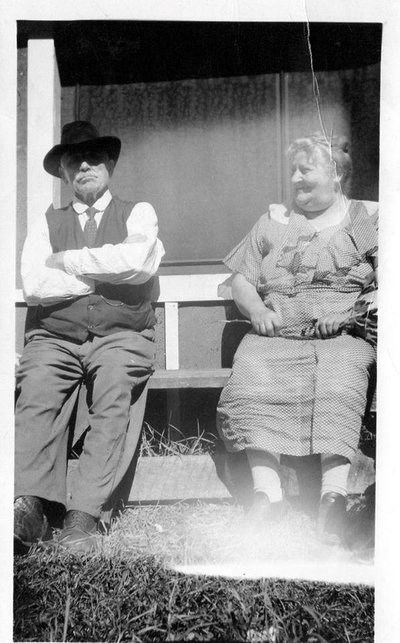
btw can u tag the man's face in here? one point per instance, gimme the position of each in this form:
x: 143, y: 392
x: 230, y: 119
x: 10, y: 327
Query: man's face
x: 87, y: 173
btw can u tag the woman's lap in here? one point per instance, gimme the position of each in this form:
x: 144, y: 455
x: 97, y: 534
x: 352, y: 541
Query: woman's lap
x: 296, y: 396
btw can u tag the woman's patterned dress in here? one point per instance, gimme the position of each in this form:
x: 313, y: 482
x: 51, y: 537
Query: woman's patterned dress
x: 296, y: 394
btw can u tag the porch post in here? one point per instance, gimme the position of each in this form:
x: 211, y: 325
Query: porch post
x: 43, y: 127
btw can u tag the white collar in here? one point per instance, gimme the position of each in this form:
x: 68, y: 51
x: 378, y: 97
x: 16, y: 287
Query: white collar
x: 100, y: 204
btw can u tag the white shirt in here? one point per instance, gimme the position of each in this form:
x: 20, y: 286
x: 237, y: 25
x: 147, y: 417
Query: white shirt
x: 134, y: 261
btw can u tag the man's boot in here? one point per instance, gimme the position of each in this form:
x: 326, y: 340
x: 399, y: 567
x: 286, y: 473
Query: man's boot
x: 30, y: 523
x: 79, y: 532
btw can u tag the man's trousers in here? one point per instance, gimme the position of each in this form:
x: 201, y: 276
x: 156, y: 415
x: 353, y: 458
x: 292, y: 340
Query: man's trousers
x: 115, y: 369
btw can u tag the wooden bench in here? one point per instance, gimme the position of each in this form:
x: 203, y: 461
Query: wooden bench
x: 174, y: 290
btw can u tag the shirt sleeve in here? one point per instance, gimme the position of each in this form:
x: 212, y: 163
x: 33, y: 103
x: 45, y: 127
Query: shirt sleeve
x: 43, y: 285
x: 247, y: 256
x: 134, y: 261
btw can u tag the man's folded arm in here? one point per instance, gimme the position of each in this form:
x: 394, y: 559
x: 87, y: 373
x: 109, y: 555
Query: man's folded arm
x: 133, y: 261
x: 42, y: 284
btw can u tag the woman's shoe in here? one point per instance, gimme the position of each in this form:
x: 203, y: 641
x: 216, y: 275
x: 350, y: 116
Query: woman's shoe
x: 260, y: 508
x: 331, y: 518
x: 263, y: 511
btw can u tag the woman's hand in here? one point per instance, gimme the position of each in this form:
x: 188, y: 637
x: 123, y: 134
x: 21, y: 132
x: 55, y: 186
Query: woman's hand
x: 265, y: 321
x: 330, y: 325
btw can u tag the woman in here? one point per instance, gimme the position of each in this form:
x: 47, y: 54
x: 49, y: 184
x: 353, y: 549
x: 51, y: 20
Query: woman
x: 300, y: 376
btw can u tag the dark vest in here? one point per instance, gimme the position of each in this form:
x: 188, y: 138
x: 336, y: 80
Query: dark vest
x: 111, y: 308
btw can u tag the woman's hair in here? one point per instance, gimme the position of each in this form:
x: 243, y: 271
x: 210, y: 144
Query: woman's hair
x: 334, y: 151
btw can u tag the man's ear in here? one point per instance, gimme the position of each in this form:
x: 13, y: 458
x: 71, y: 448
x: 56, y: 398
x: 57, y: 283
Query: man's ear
x: 61, y: 173
x: 110, y: 166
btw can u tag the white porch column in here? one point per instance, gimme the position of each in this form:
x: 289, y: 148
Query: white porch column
x: 43, y: 127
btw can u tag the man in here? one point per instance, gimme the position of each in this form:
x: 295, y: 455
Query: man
x: 87, y: 268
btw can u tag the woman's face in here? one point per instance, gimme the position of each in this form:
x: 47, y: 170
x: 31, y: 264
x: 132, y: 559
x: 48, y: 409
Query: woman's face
x: 314, y: 185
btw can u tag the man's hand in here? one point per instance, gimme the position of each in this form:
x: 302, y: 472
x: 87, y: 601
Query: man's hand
x: 265, y: 321
x: 56, y: 260
x: 330, y: 325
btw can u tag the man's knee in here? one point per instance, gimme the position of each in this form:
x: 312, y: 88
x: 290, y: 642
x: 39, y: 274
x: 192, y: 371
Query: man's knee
x: 34, y: 381
x: 124, y: 373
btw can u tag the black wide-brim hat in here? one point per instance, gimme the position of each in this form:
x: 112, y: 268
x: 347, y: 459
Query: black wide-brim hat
x: 76, y: 136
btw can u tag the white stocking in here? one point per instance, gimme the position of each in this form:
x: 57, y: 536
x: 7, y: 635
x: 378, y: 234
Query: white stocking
x: 335, y: 472
x: 264, y: 467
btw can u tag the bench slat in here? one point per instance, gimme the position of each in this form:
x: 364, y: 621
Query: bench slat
x: 185, y: 378
x: 171, y: 335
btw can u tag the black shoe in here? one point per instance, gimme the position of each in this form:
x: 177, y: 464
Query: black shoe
x: 79, y: 532
x: 359, y: 534
x: 365, y: 556
x: 30, y: 523
x: 262, y: 510
x: 331, y: 518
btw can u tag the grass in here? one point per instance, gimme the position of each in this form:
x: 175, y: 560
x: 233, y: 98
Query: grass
x: 131, y: 590
x: 140, y: 586
x: 172, y: 441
